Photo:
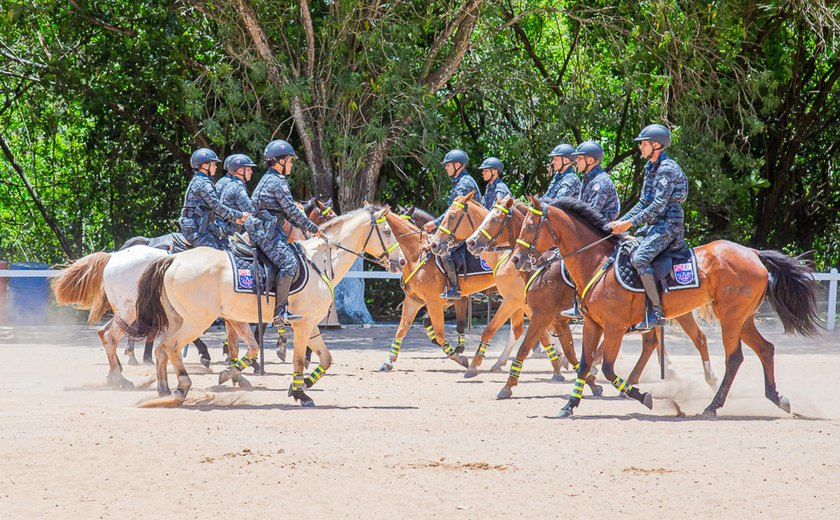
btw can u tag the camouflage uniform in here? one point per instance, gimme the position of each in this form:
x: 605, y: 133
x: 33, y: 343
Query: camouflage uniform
x: 599, y: 192
x: 659, y: 210
x: 273, y: 199
x: 461, y: 185
x: 220, y: 185
x: 496, y: 190
x: 234, y: 194
x: 563, y: 184
x: 201, y: 208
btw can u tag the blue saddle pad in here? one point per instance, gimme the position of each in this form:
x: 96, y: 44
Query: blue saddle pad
x: 674, y: 269
x: 243, y: 272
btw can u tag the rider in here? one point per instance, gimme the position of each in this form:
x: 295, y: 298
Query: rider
x: 659, y: 210
x: 273, y: 199
x: 565, y: 182
x: 491, y: 169
x: 202, y: 205
x: 455, y: 163
x: 598, y: 190
x: 235, y: 192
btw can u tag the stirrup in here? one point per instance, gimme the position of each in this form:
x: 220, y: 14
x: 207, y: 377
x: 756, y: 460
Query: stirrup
x: 653, y: 319
x: 284, y: 317
x: 573, y: 313
x: 451, y: 294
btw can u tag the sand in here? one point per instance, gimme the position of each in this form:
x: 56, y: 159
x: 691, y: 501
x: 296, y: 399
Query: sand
x: 420, y: 442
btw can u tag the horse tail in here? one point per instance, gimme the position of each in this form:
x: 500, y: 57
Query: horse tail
x: 80, y: 285
x: 792, y: 292
x: 135, y: 241
x: 151, y: 314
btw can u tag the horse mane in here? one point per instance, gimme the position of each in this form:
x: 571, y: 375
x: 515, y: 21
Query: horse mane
x: 585, y: 214
x: 341, y: 219
x: 422, y: 214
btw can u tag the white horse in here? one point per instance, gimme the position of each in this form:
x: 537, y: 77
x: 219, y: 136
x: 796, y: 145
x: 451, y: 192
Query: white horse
x: 107, y: 281
x: 181, y: 295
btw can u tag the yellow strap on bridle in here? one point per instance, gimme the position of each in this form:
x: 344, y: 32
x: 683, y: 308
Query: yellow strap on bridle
x: 445, y: 230
x: 501, y: 208
x: 412, y: 273
x: 523, y: 243
x: 407, y: 217
x: 460, y: 205
x: 396, y: 245
x: 327, y: 210
x: 380, y: 220
x: 534, y: 210
x: 485, y: 233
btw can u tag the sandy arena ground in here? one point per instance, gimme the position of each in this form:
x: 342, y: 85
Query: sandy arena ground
x: 421, y: 442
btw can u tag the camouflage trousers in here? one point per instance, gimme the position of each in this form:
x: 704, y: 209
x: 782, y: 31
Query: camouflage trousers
x: 657, y: 238
x: 280, y: 252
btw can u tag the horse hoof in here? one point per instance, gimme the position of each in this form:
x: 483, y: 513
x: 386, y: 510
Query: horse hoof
x: 224, y: 376
x: 281, y: 353
x: 470, y: 373
x: 149, y: 362
x: 244, y: 383
x: 784, y: 404
x: 256, y: 366
x: 647, y: 400
x: 565, y: 412
x: 709, y: 414
x: 386, y: 367
x: 307, y: 403
x: 496, y: 368
x: 125, y: 384
x: 462, y: 360
x: 132, y: 362
x: 459, y: 349
x: 558, y: 378
x: 504, y: 393
x: 598, y: 391
x: 205, y: 362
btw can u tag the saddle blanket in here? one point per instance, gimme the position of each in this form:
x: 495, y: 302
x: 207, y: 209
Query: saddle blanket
x: 243, y: 273
x: 673, y: 270
x: 465, y: 263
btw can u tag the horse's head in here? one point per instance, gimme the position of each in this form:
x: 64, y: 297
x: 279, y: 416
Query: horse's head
x: 385, y: 247
x: 536, y: 236
x: 321, y: 211
x: 458, y: 223
x: 490, y: 232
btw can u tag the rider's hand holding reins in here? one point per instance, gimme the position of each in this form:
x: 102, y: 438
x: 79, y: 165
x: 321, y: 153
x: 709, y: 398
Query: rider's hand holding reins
x: 619, y: 226
x: 429, y: 227
x: 243, y: 218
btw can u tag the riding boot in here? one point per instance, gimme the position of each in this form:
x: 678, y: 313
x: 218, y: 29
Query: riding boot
x: 653, y: 313
x: 453, y: 292
x: 282, y: 315
x: 574, y: 312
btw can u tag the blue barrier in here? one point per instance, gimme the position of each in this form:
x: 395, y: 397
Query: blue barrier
x: 28, y: 299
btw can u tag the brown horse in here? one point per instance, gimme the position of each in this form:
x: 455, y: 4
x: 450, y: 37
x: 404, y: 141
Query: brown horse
x: 460, y: 221
x: 423, y: 284
x: 734, y: 279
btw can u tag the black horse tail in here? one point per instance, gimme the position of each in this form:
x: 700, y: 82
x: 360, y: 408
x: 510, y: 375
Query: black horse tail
x: 792, y: 292
x: 151, y: 315
x: 135, y: 241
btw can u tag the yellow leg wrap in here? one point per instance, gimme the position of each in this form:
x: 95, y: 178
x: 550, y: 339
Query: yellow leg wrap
x: 623, y: 386
x: 297, y: 381
x: 430, y: 333
x: 395, y: 347
x: 515, y: 368
x: 482, y: 349
x: 281, y: 331
x: 577, y: 365
x: 316, y: 374
x: 242, y: 363
x: 551, y: 351
x: 460, y: 340
x: 447, y: 348
x: 577, y: 390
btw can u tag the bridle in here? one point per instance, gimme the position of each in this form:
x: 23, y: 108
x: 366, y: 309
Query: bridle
x: 546, y: 260
x: 491, y: 239
x: 451, y: 232
x: 382, y: 259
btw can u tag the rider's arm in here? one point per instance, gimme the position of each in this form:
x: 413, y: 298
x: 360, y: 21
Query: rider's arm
x: 208, y: 194
x: 285, y: 200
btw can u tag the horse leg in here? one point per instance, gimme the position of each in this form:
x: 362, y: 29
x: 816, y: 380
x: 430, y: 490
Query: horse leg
x: 592, y: 333
x: 553, y: 357
x: 203, y: 353
x: 148, y: 359
x: 282, y: 343
x: 689, y: 325
x: 731, y: 333
x: 502, y: 314
x: 129, y: 352
x: 650, y: 342
x: 461, y: 322
x: 161, y: 358
x: 410, y: 308
x: 110, y: 336
x: 539, y: 323
x: 517, y: 328
x: 427, y: 325
x: 324, y: 358
x: 257, y: 334
x: 237, y: 365
x: 436, y: 315
x: 612, y: 344
x: 765, y: 352
x: 564, y: 336
x: 302, y: 330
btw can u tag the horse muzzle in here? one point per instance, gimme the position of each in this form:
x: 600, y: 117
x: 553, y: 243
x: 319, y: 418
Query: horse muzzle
x: 438, y: 248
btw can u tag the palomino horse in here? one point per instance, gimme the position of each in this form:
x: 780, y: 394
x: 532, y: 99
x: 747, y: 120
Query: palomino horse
x: 423, y: 284
x: 734, y: 279
x: 103, y: 281
x: 460, y: 221
x: 179, y: 297
x: 499, y: 228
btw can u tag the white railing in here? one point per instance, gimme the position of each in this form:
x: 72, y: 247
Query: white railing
x: 832, y: 277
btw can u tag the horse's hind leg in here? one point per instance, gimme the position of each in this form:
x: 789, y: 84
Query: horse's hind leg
x: 461, y: 322
x: 110, y: 336
x: 436, y: 315
x: 302, y: 329
x: 148, y: 359
x: 698, y: 337
x: 731, y: 333
x: 650, y: 342
x: 536, y: 330
x: 502, y: 314
x: 611, y: 346
x: 161, y: 359
x: 129, y: 353
x: 203, y: 353
x: 564, y: 336
x: 316, y: 341
x: 410, y: 308
x: 765, y: 351
x: 517, y: 328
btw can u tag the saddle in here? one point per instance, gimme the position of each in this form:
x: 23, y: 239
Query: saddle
x: 673, y: 269
x: 179, y: 243
x: 465, y: 263
x: 242, y: 261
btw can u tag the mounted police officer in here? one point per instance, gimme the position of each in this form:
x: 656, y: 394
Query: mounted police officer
x: 273, y: 200
x: 202, y: 206
x: 491, y: 170
x: 565, y: 182
x: 455, y: 162
x: 225, y: 179
x: 597, y: 190
x: 235, y: 192
x: 659, y: 210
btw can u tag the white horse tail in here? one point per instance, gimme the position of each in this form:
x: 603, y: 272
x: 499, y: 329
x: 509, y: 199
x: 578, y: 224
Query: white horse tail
x: 151, y: 315
x: 80, y: 285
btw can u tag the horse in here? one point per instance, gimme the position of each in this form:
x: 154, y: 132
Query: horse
x: 497, y: 229
x: 734, y: 280
x: 180, y: 295
x: 459, y: 223
x: 108, y: 281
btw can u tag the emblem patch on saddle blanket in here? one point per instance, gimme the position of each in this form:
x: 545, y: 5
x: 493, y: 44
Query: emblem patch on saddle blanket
x: 485, y: 265
x: 244, y: 280
x: 466, y: 264
x: 673, y: 270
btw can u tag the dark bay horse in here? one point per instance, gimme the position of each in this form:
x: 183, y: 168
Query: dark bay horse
x: 734, y: 279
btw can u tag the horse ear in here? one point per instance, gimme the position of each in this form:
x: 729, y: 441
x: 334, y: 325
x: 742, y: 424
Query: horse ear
x: 411, y: 210
x: 365, y: 203
x: 509, y: 202
x: 469, y: 196
x: 329, y: 201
